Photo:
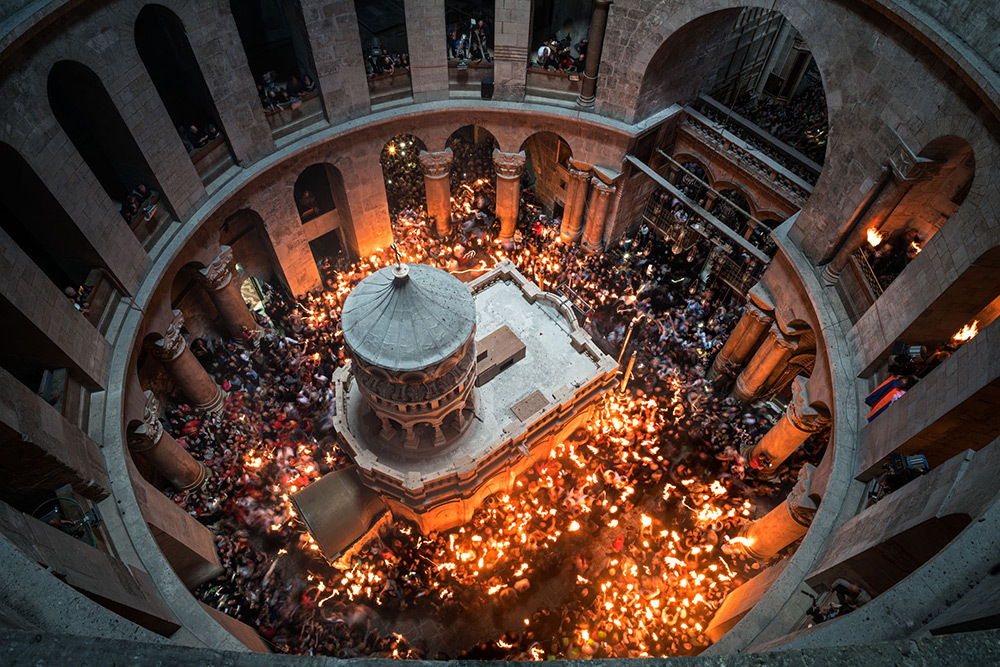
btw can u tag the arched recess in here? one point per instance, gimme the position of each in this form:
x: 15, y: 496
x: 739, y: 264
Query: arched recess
x: 39, y: 225
x: 276, y: 44
x: 731, y: 207
x: 92, y: 122
x: 321, y: 201
x: 404, y: 180
x: 472, y: 147
x: 547, y: 159
x: 162, y: 42
x: 924, y: 208
x: 693, y: 177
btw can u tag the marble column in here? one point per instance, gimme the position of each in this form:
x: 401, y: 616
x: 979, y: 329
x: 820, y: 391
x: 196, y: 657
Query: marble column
x: 576, y: 200
x: 149, y: 441
x: 800, y: 420
x: 600, y: 199
x: 185, y: 369
x: 769, y: 356
x: 741, y: 342
x: 783, y: 525
x: 595, y: 44
x: 222, y: 284
x: 902, y: 171
x: 437, y: 170
x: 508, y: 167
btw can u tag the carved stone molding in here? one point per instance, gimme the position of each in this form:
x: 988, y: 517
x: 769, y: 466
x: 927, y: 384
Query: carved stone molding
x: 578, y: 174
x: 602, y: 188
x: 801, y: 413
x: 800, y: 505
x: 218, y: 274
x: 906, y: 166
x: 148, y: 434
x: 436, y: 165
x: 508, y: 165
x: 172, y: 343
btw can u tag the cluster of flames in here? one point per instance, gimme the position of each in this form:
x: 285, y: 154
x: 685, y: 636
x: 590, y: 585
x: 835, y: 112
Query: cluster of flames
x: 670, y: 603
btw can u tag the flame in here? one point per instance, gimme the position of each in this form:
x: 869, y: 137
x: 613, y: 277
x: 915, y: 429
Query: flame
x: 966, y: 333
x: 916, y: 247
x: 574, y: 526
x: 874, y: 237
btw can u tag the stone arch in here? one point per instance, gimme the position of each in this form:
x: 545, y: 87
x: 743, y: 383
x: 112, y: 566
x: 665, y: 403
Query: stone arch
x: 730, y: 205
x: 700, y: 160
x: 547, y: 156
x: 163, y: 45
x: 319, y: 196
x: 404, y: 180
x: 472, y: 146
x: 89, y: 117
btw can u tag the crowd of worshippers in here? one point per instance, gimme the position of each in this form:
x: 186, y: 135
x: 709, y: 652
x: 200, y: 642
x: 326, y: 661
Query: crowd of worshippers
x: 800, y: 122
x: 557, y: 55
x: 577, y: 516
x: 470, y: 42
x: 890, y: 257
x: 404, y: 180
x: 275, y: 95
x: 380, y: 60
x: 140, y: 202
x: 198, y: 136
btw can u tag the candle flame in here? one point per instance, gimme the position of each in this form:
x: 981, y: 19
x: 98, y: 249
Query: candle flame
x: 967, y: 333
x: 874, y: 237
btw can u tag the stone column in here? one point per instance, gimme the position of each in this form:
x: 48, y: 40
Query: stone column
x: 185, y: 369
x: 595, y: 44
x: 149, y: 441
x: 600, y: 198
x: 576, y: 199
x: 785, y: 524
x: 769, y: 356
x: 437, y: 169
x: 904, y: 168
x: 741, y: 341
x: 220, y: 282
x: 800, y: 420
x: 508, y: 167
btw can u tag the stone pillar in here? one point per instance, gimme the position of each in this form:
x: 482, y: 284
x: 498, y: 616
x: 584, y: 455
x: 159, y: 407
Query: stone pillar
x: 508, y: 167
x: 149, y: 441
x: 437, y: 169
x: 786, y: 523
x: 600, y: 198
x: 219, y: 281
x: 800, y: 420
x: 576, y: 199
x: 769, y: 356
x: 595, y: 44
x: 185, y: 369
x: 904, y: 168
x: 741, y: 341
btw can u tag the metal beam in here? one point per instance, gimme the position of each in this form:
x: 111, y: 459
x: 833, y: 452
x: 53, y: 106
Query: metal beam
x: 711, y: 219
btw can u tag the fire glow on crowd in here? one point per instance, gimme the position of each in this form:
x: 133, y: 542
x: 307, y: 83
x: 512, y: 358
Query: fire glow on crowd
x: 610, y: 547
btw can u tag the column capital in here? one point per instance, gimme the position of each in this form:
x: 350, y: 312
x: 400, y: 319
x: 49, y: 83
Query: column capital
x: 172, y: 343
x: 579, y: 174
x: 437, y: 164
x: 907, y: 166
x: 780, y: 339
x: 147, y: 434
x: 803, y: 415
x: 601, y: 187
x: 219, y: 272
x: 761, y: 316
x: 508, y: 165
x: 800, y: 504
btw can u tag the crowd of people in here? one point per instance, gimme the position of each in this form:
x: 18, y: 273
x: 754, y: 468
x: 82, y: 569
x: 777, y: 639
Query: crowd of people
x: 470, y: 42
x: 800, y: 122
x: 275, y: 95
x: 141, y: 201
x: 557, y: 55
x: 610, y: 547
x: 380, y: 60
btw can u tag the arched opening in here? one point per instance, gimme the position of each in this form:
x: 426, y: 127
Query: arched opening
x: 691, y: 179
x: 559, y: 32
x: 545, y: 170
x: 274, y: 38
x: 404, y: 181
x: 469, y: 25
x: 256, y: 262
x: 382, y: 27
x: 473, y: 177
x: 732, y: 208
x: 750, y: 70
x: 924, y: 208
x: 57, y: 247
x: 321, y: 201
x: 91, y: 120
x: 165, y: 51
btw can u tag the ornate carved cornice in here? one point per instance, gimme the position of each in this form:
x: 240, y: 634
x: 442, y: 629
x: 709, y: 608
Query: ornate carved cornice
x: 172, y: 343
x: 508, y: 165
x: 906, y: 166
x: 436, y: 165
x: 217, y: 275
x: 578, y: 174
x: 602, y: 188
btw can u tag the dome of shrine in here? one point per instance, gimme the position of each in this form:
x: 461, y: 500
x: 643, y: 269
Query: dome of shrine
x: 408, y: 318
